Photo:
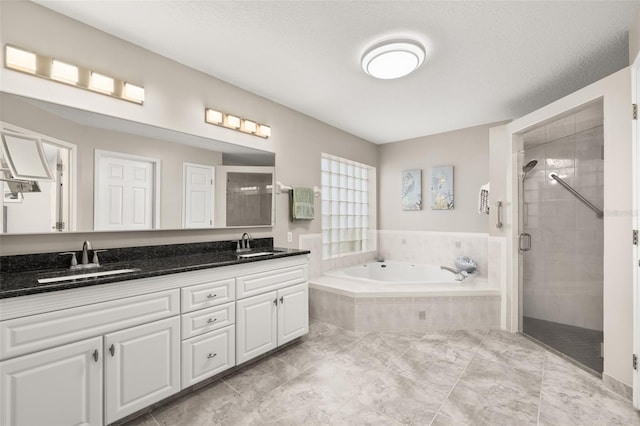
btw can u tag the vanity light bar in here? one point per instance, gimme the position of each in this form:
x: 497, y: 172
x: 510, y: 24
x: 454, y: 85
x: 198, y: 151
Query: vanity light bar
x: 64, y: 72
x: 101, y: 83
x: 18, y: 59
x: 234, y: 122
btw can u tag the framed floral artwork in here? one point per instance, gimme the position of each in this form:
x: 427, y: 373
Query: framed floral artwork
x: 412, y: 190
x: 442, y: 188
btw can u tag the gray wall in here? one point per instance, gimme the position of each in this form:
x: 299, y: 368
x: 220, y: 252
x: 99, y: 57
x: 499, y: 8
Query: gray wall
x: 467, y: 150
x: 175, y: 98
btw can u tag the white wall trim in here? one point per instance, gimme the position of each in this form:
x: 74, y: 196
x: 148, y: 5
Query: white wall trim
x: 501, y: 264
x: 618, y: 321
x: 635, y: 88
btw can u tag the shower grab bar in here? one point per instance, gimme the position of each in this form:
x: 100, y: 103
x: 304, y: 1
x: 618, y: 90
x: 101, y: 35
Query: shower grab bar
x: 579, y: 196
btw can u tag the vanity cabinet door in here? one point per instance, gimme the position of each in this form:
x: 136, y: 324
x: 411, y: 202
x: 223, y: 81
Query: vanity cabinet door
x: 293, y: 313
x: 256, y: 325
x: 207, y: 355
x: 142, y: 366
x: 61, y: 386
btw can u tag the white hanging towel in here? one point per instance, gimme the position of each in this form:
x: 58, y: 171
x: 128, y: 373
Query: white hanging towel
x: 483, y: 199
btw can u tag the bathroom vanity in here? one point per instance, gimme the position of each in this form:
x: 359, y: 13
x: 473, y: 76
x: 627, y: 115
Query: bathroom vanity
x: 93, y: 351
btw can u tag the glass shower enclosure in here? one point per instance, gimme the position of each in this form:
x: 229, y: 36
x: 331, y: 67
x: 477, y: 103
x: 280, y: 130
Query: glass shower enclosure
x: 561, y: 234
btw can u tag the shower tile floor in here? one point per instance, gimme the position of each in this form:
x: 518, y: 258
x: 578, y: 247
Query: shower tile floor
x: 338, y: 377
x: 581, y: 344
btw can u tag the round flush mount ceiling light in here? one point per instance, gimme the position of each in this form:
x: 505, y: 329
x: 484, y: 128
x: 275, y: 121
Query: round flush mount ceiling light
x: 393, y: 59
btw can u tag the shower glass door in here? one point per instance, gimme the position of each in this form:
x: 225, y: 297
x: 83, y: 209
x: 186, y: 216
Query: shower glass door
x: 561, y: 241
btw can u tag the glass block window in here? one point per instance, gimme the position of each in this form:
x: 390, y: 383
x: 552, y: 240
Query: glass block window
x: 345, y: 206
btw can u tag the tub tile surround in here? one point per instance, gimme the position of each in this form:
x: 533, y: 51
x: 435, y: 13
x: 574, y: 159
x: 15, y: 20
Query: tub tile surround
x: 405, y: 313
x: 434, y: 248
x: 425, y: 247
x: 411, y: 313
x: 318, y: 266
x: 338, y: 377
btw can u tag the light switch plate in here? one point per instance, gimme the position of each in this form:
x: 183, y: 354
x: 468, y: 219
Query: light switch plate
x: 289, y: 237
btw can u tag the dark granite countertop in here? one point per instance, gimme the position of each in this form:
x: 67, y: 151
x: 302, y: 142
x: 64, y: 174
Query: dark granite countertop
x: 148, y: 262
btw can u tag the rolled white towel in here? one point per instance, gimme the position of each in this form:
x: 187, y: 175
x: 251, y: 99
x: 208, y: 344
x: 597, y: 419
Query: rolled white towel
x: 483, y: 199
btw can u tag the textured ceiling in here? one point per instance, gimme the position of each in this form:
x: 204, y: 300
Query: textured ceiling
x: 486, y: 61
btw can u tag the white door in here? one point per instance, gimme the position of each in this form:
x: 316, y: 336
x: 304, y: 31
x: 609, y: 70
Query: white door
x: 256, y: 325
x: 197, y: 199
x: 61, y: 386
x: 142, y: 366
x: 293, y: 312
x: 125, y: 192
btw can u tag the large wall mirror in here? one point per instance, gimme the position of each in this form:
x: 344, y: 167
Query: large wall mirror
x: 112, y: 174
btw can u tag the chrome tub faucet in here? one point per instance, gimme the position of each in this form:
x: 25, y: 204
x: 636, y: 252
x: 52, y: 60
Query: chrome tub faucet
x: 459, y: 275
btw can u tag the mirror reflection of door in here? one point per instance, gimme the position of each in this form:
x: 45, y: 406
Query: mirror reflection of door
x: 126, y: 188
x: 49, y: 210
x: 197, y: 196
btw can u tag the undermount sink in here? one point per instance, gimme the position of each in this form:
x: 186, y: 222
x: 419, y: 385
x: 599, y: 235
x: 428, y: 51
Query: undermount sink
x: 260, y: 253
x: 85, y: 275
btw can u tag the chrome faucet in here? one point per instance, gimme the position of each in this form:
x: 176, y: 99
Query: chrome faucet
x: 459, y: 275
x: 86, y: 246
x: 85, y: 255
x: 244, y: 243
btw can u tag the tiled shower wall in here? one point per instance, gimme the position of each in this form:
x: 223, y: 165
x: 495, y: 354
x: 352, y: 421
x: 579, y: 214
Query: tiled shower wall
x: 563, y: 271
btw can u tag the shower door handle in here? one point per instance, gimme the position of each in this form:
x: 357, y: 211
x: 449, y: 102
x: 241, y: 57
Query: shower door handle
x: 524, y: 242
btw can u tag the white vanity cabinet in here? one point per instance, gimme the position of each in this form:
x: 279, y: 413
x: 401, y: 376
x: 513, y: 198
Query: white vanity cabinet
x: 276, y: 313
x: 208, y: 330
x: 94, y: 355
x: 293, y: 312
x: 126, y: 348
x: 142, y: 366
x: 60, y: 386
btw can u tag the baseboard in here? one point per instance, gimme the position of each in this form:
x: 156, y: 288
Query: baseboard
x: 617, y: 386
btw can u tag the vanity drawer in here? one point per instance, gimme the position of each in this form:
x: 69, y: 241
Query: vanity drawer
x: 207, y: 355
x: 36, y: 332
x: 205, y: 320
x: 261, y: 282
x: 208, y: 294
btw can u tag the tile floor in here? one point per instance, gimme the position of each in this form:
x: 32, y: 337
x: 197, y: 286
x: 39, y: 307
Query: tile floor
x: 337, y: 377
x: 581, y: 344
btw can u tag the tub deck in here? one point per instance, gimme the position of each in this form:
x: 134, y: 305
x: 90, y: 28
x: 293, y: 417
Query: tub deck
x: 359, y: 288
